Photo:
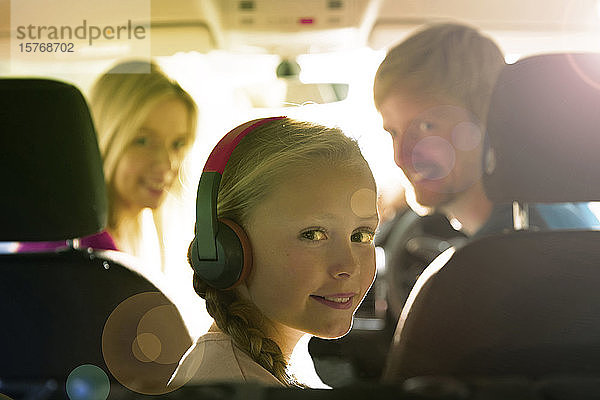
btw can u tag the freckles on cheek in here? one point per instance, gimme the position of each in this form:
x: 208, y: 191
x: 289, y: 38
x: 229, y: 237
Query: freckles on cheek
x: 298, y: 271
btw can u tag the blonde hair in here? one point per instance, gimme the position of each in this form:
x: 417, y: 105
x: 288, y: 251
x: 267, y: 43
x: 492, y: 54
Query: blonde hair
x: 448, y: 60
x: 261, y: 161
x: 121, y: 100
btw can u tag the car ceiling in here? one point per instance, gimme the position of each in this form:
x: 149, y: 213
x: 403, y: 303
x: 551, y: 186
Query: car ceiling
x: 291, y: 27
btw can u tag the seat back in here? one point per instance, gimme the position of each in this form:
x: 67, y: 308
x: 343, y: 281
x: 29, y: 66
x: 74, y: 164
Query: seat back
x: 518, y: 304
x: 64, y: 309
x: 523, y: 303
x: 50, y: 162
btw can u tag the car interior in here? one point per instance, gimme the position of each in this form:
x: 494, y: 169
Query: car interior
x: 507, y: 316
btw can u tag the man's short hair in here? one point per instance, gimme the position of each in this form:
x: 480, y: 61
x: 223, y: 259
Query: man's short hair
x: 447, y: 60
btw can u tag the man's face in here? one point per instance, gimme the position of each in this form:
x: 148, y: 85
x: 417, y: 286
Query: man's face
x: 437, y: 145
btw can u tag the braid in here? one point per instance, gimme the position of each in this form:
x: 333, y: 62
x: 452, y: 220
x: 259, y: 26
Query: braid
x: 242, y: 321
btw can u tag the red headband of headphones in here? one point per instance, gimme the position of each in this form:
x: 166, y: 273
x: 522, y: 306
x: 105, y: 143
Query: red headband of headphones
x: 220, y: 155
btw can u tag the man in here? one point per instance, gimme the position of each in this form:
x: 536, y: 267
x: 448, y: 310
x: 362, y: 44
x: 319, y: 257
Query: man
x: 433, y: 91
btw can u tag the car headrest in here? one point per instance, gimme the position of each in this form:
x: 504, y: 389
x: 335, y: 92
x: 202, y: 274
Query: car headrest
x: 52, y: 179
x: 544, y: 131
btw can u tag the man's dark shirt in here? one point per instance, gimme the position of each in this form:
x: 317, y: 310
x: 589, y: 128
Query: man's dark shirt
x: 412, y: 242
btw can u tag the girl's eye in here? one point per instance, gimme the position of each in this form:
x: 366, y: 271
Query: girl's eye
x: 313, y: 235
x: 362, y: 237
x: 141, y: 141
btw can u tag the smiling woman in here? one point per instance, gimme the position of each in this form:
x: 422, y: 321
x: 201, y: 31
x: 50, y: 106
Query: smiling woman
x: 306, y: 199
x: 146, y: 123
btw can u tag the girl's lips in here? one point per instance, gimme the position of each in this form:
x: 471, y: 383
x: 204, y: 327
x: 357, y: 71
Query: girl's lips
x: 340, y: 301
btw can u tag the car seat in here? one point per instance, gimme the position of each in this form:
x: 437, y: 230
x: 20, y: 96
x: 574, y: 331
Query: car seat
x: 523, y: 303
x: 64, y: 309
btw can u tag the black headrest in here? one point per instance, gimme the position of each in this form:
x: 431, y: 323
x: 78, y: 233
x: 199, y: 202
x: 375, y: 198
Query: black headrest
x: 52, y: 180
x: 544, y: 129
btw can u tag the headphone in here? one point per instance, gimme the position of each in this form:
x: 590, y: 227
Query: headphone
x: 220, y: 252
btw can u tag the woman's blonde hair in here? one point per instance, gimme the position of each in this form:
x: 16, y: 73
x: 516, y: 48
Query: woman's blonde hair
x: 121, y: 100
x: 448, y: 60
x: 263, y: 160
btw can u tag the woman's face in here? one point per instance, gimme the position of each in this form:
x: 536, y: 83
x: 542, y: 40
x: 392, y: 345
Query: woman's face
x: 150, y: 162
x: 313, y: 252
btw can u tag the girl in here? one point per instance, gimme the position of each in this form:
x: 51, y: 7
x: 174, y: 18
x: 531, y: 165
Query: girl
x: 306, y: 199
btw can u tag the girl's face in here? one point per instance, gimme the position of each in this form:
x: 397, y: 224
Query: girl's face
x: 150, y: 162
x: 314, y: 258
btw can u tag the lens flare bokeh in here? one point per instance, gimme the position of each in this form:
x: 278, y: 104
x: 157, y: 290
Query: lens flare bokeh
x: 88, y: 382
